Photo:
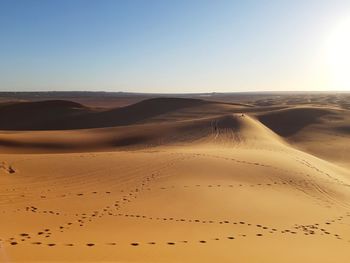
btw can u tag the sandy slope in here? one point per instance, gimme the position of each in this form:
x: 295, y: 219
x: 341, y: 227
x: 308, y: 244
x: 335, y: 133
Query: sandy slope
x: 220, y: 187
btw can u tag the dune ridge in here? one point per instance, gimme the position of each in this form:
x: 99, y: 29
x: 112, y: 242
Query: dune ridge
x: 231, y: 130
x: 67, y: 115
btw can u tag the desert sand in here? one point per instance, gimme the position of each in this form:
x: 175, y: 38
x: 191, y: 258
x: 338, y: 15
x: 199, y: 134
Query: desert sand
x: 176, y: 180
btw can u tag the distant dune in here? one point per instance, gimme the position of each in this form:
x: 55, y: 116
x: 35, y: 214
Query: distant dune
x: 66, y: 115
x: 139, y: 125
x: 287, y: 122
x: 38, y: 115
x: 69, y: 126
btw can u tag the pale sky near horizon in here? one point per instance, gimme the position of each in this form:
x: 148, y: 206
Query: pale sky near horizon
x: 174, y: 46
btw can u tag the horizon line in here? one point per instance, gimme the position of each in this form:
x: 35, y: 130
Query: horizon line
x: 181, y: 93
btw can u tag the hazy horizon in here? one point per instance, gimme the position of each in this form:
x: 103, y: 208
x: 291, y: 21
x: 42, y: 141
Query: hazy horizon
x: 182, y: 93
x: 175, y: 47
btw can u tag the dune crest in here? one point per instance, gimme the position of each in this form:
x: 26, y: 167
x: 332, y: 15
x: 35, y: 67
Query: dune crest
x: 242, y: 128
x: 288, y: 122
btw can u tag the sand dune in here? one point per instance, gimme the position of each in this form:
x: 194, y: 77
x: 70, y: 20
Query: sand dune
x: 33, y: 115
x: 66, y: 115
x: 288, y: 122
x: 187, y: 181
x: 226, y: 129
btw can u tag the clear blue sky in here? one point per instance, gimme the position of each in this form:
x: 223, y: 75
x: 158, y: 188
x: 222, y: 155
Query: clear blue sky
x: 169, y: 46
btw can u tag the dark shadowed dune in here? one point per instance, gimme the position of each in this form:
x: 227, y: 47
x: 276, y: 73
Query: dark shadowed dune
x: 54, y: 106
x: 137, y: 112
x: 66, y: 115
x: 344, y: 129
x: 38, y: 115
x: 288, y: 122
x: 228, y: 122
x: 16, y: 144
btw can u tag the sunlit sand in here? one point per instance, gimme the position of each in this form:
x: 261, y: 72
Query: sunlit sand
x: 175, y: 180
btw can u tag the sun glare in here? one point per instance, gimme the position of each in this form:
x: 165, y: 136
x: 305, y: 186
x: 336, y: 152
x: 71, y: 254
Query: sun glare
x: 339, y: 56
